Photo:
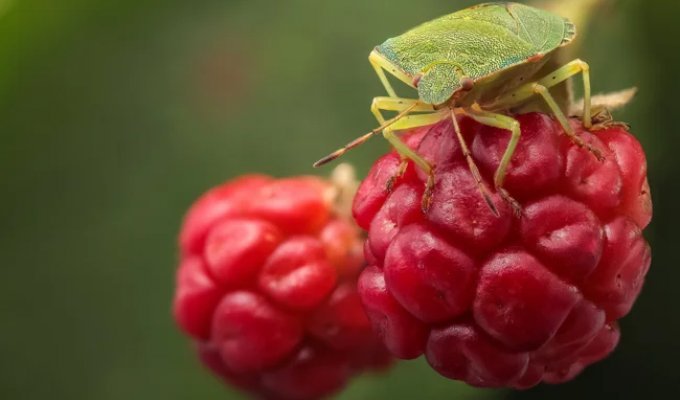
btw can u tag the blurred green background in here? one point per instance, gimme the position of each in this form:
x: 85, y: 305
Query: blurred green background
x: 115, y: 115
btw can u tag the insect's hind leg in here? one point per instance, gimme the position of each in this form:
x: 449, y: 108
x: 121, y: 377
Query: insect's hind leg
x: 545, y: 93
x: 554, y: 78
x: 541, y: 87
x: 502, y: 122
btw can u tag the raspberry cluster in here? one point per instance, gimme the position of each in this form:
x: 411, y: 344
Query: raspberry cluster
x: 501, y: 301
x: 267, y: 288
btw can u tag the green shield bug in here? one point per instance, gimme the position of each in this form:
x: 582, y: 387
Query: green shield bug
x: 481, y: 62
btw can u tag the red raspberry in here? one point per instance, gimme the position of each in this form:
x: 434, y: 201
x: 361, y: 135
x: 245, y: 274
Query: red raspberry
x: 501, y: 301
x: 267, y: 288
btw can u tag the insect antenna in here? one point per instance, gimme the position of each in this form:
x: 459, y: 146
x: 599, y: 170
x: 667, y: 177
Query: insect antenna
x: 339, y: 152
x: 362, y: 139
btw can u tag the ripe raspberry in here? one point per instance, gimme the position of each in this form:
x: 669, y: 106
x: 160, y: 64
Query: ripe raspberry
x: 267, y: 288
x: 501, y: 301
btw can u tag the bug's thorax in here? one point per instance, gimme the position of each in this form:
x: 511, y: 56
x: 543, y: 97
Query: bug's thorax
x: 485, y: 90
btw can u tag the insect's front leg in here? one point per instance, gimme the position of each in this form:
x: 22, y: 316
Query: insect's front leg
x: 406, y: 153
x: 411, y: 122
x: 396, y: 104
x: 401, y: 120
x: 380, y: 65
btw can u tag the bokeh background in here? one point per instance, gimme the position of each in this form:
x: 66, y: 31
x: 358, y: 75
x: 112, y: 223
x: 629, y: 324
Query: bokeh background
x: 115, y: 115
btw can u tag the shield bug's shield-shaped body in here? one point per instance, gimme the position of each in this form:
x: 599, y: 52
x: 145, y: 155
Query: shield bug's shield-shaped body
x: 483, y: 62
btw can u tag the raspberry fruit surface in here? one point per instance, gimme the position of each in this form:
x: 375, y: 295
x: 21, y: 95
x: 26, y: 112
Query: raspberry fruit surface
x: 266, y: 288
x: 506, y: 301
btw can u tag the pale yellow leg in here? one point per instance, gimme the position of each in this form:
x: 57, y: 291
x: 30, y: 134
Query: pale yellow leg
x: 502, y: 122
x: 472, y: 166
x: 401, y: 121
x: 541, y: 87
x: 560, y: 75
x: 406, y: 122
x: 410, y: 122
x: 537, y: 88
x: 380, y: 65
x: 396, y: 104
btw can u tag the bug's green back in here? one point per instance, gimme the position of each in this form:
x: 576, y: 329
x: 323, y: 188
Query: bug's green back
x: 478, y: 41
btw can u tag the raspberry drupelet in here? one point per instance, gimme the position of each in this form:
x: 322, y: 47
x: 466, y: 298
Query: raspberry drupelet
x: 266, y: 288
x: 506, y: 301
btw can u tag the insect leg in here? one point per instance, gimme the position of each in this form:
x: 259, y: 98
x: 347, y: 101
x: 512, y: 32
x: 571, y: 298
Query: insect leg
x: 380, y: 65
x: 560, y: 75
x: 396, y: 104
x: 502, y: 122
x: 545, y: 93
x: 541, y: 86
x: 410, y: 122
x: 472, y: 166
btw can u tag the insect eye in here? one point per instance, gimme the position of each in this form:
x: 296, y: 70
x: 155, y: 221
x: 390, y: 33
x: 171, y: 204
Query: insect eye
x: 467, y: 83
